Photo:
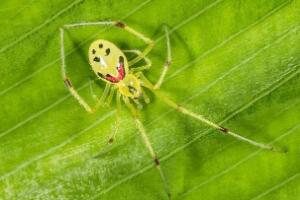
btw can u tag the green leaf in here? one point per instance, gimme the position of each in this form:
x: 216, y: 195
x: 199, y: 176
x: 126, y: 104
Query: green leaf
x: 235, y: 62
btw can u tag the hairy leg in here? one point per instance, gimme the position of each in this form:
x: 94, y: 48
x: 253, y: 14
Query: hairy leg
x: 139, y: 68
x: 117, y: 123
x: 148, y: 41
x: 167, y: 62
x: 148, y: 144
x: 201, y: 118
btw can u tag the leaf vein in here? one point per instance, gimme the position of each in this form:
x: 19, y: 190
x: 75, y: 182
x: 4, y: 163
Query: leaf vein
x: 277, y: 186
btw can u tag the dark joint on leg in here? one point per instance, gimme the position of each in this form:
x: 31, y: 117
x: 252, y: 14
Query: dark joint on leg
x: 68, y: 83
x: 156, y: 161
x: 179, y: 107
x: 167, y: 63
x: 223, y: 129
x: 120, y: 24
x: 111, y: 140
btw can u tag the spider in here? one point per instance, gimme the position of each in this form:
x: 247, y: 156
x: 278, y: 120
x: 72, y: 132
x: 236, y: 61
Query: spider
x: 110, y: 65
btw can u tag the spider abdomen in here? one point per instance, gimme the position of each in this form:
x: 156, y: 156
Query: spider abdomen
x: 108, y: 61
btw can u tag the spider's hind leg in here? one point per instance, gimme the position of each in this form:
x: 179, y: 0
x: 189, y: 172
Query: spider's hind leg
x: 121, y: 25
x: 201, y: 118
x: 214, y: 125
x: 167, y: 62
x: 148, y: 144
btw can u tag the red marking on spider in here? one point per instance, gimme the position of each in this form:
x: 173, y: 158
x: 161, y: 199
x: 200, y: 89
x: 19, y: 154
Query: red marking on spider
x: 121, y: 74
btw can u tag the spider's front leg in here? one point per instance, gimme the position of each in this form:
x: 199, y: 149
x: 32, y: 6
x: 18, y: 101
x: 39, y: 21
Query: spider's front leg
x: 70, y: 86
x: 166, y: 65
x: 148, y: 41
x: 138, y: 68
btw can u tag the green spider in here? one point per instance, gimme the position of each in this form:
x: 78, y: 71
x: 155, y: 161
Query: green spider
x: 112, y: 66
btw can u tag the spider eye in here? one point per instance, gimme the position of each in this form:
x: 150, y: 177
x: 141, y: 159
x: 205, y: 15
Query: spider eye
x: 94, y: 51
x: 107, y: 51
x: 100, y: 45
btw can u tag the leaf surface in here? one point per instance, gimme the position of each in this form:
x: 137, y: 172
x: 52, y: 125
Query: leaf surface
x: 235, y: 62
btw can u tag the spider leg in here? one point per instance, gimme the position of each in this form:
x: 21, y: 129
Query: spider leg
x: 117, y: 123
x: 167, y: 62
x: 68, y: 82
x: 145, y: 97
x: 148, y: 41
x: 148, y: 144
x: 110, y: 96
x: 92, y: 91
x: 101, y: 100
x: 201, y: 118
x: 139, y: 68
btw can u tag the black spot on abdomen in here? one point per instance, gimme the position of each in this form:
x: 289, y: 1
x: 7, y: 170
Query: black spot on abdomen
x: 107, y: 51
x: 97, y: 59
